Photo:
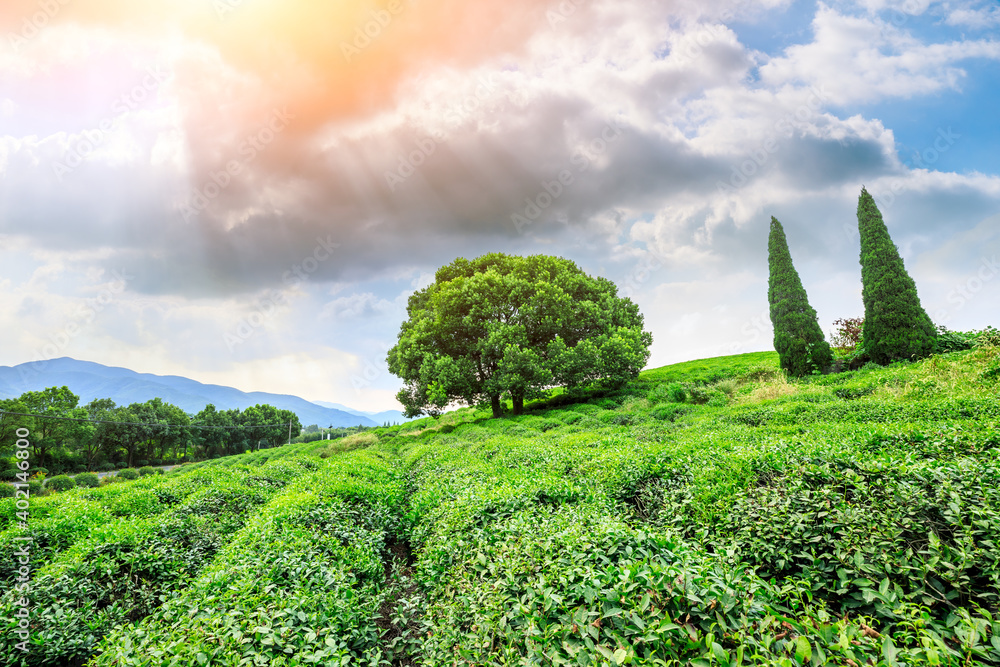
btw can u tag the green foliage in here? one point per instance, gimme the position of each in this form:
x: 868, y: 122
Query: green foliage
x: 6, y: 490
x: 507, y: 326
x: 798, y: 339
x: 896, y: 326
x: 150, y: 470
x: 987, y: 338
x: 845, y: 518
x: 87, y: 480
x: 128, y: 474
x: 954, y: 341
x: 60, y: 483
x: 669, y: 411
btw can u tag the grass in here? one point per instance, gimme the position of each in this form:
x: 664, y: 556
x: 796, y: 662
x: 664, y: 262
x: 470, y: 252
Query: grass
x: 709, y: 513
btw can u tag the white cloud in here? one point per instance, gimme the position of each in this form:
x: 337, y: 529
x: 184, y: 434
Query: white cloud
x: 981, y: 18
x: 862, y: 59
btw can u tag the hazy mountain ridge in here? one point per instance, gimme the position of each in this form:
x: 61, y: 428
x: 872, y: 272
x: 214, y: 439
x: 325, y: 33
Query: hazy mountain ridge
x: 91, y: 380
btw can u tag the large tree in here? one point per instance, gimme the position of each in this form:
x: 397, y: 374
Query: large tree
x: 798, y: 338
x: 509, y: 327
x: 48, y: 433
x: 896, y: 326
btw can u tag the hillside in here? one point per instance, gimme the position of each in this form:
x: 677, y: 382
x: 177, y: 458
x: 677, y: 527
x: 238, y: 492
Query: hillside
x: 710, y: 513
x: 89, y: 380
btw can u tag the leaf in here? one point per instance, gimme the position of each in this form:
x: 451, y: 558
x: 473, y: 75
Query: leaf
x: 889, y: 651
x: 803, y: 650
x: 619, y: 656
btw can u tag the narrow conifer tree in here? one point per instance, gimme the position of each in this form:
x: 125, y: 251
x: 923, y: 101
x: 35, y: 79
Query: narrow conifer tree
x: 798, y: 338
x: 896, y: 326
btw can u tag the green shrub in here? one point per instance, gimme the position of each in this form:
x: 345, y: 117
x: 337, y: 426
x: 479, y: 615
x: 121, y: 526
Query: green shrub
x: 540, y: 423
x: 618, y: 418
x: 105, y: 467
x: 7, y: 490
x: 673, y: 392
x: 60, y: 483
x: 87, y: 480
x: 569, y: 417
x: 670, y: 411
x: 717, y: 399
x: 953, y: 341
x: 853, y: 390
x: 149, y: 470
x: 988, y: 337
x: 34, y: 488
x: 699, y: 395
x: 128, y: 474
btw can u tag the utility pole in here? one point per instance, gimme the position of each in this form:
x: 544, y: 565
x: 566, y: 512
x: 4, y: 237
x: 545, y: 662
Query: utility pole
x: 289, y: 431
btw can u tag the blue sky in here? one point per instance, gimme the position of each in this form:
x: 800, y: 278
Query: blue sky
x: 164, y: 169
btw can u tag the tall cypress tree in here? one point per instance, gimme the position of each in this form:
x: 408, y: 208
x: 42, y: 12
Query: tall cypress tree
x: 896, y: 326
x: 798, y: 338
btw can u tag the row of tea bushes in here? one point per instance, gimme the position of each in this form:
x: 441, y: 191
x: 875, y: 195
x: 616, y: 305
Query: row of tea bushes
x: 156, y: 542
x: 708, y: 542
x: 302, y: 583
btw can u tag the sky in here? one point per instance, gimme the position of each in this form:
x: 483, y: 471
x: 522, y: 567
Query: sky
x: 246, y: 192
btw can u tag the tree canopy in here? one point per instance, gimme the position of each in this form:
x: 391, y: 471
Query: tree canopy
x: 896, y: 326
x: 798, y: 338
x: 508, y: 327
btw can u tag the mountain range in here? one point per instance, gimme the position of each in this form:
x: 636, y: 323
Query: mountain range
x: 90, y: 380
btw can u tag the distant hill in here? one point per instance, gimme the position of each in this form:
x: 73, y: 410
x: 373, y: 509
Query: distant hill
x: 89, y: 380
x: 391, y: 416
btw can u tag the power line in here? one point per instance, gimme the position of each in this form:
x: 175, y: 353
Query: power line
x: 3, y: 413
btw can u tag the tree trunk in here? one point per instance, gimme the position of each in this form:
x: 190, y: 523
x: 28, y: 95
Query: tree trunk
x: 495, y: 404
x: 518, y: 404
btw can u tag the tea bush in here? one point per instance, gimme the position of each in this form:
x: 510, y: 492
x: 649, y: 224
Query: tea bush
x: 60, y: 483
x: 842, y: 519
x: 88, y: 480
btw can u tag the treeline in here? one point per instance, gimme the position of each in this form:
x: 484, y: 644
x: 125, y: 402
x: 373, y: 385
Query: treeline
x: 99, y: 436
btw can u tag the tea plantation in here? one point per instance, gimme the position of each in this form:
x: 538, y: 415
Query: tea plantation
x: 710, y: 513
